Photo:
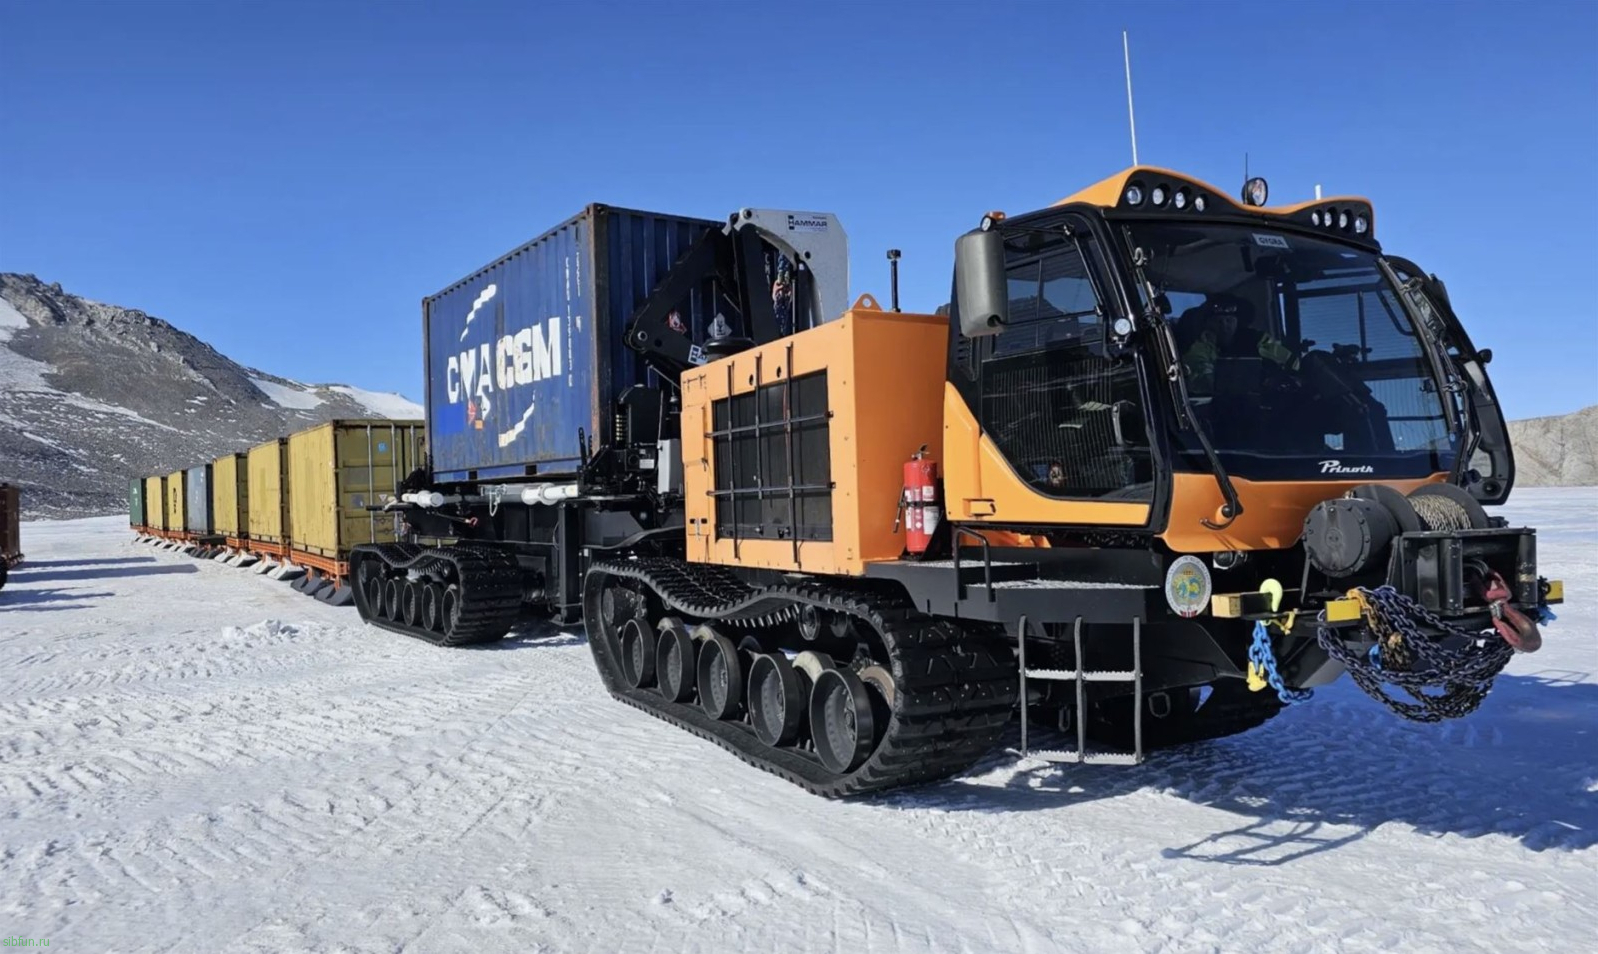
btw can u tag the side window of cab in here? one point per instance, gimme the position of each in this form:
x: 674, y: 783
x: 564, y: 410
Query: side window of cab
x: 1066, y: 415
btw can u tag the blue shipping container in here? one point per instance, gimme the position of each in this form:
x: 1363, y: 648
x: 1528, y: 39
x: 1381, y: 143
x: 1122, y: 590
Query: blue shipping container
x: 197, y: 502
x: 525, y: 355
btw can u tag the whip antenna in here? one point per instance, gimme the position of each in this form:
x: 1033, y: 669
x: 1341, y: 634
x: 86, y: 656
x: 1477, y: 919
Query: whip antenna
x: 1131, y: 119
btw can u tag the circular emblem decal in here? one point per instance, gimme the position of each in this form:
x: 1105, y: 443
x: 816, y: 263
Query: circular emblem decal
x: 1187, y: 586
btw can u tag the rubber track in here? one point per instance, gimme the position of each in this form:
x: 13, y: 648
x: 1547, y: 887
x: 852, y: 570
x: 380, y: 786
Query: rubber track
x: 955, y: 690
x: 490, y: 589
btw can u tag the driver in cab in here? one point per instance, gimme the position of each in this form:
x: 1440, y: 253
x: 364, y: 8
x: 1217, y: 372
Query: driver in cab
x: 1228, y: 331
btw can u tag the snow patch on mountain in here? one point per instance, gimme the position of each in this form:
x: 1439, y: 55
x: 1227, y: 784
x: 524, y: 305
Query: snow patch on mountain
x: 10, y: 320
x: 284, y: 396
x: 382, y: 403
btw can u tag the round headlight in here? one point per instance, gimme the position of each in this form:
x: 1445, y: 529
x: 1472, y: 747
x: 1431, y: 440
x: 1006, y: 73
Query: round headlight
x: 1199, y: 203
x: 1134, y: 194
x: 1315, y: 217
x: 1157, y: 195
x: 1122, y: 326
x: 1331, y: 216
x: 1360, y: 225
x: 1180, y: 199
x: 1342, y: 219
x: 1255, y: 191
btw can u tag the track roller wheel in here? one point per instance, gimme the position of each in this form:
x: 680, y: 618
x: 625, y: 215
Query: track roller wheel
x: 449, y: 606
x: 813, y: 664
x: 372, y: 587
x: 720, y: 676
x: 637, y: 653
x: 809, y: 623
x: 433, y: 607
x: 391, y: 598
x: 878, y: 678
x: 842, y: 721
x: 411, y: 603
x: 777, y: 695
x: 675, y: 660
x: 879, y: 682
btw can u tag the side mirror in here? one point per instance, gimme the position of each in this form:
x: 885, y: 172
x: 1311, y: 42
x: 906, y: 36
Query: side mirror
x: 980, y: 287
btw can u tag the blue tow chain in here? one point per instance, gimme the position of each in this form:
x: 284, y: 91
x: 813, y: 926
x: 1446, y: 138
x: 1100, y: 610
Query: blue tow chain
x: 1263, y: 660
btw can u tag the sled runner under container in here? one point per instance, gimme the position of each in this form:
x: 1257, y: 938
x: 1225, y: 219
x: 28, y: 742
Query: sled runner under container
x: 527, y: 356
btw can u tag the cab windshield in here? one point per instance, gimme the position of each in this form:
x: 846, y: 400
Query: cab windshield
x: 1299, y: 358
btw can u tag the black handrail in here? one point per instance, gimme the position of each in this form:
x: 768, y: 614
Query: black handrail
x: 987, y: 561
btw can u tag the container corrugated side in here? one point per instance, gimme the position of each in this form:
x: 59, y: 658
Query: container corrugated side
x: 269, y: 501
x: 155, y: 502
x: 526, y: 357
x: 197, y: 503
x: 177, y: 500
x: 337, y: 470
x: 230, y: 495
x: 10, y: 522
x: 136, y: 502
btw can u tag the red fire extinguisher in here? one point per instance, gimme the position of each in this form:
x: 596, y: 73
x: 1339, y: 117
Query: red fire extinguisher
x: 918, y: 504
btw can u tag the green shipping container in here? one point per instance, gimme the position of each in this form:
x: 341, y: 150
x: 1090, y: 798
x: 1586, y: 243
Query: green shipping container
x: 136, y: 502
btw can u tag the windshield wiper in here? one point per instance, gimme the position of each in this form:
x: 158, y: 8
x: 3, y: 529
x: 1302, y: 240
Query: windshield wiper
x: 1176, y: 377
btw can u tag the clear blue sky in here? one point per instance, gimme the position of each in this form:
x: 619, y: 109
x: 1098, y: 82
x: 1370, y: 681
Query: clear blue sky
x: 287, y: 180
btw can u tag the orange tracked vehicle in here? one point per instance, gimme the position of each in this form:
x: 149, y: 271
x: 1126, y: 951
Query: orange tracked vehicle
x: 1169, y: 462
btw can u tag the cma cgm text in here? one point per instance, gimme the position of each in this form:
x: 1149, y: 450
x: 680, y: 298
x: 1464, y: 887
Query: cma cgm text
x: 529, y: 355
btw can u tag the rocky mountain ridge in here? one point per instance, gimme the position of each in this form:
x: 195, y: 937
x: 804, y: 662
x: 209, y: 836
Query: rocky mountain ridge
x: 92, y: 394
x: 1558, y: 451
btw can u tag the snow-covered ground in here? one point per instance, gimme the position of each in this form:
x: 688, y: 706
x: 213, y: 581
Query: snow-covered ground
x: 195, y: 758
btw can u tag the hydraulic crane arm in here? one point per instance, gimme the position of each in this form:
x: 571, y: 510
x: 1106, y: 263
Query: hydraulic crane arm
x: 732, y: 264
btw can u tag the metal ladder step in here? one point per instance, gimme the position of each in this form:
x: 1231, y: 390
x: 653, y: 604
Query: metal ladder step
x: 1071, y: 675
x: 1072, y: 757
x: 1081, y: 675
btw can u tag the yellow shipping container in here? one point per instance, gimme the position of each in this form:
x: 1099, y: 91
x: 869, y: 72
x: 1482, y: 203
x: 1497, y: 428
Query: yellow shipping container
x: 267, y: 475
x: 177, y: 499
x: 155, y: 503
x: 230, y: 495
x: 337, y: 470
